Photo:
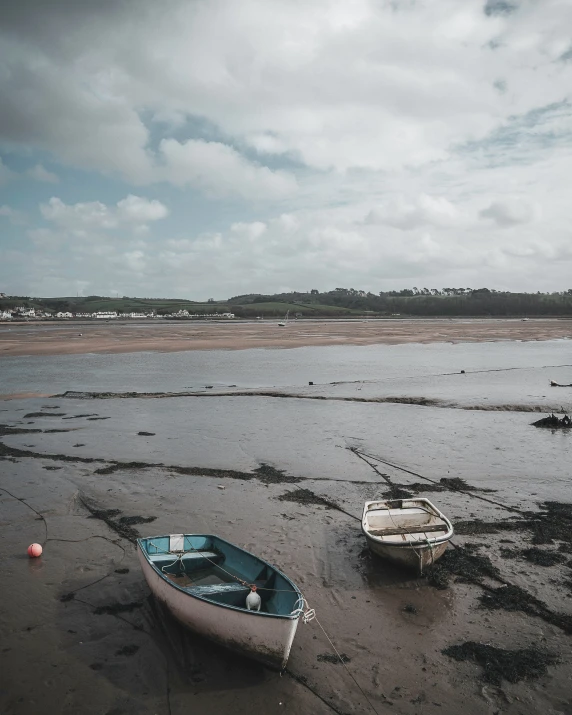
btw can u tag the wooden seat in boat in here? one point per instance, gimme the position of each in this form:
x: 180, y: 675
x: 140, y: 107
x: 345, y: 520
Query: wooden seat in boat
x: 392, y: 531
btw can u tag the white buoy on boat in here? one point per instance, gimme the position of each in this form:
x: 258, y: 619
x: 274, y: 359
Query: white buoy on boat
x: 253, y: 600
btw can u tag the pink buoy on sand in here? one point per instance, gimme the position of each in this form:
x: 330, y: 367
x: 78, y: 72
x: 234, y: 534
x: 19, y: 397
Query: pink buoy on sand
x: 34, y: 550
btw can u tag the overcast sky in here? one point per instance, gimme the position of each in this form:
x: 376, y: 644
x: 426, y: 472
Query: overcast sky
x: 208, y: 148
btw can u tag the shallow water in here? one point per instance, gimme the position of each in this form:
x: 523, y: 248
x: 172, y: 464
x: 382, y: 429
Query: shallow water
x: 153, y: 372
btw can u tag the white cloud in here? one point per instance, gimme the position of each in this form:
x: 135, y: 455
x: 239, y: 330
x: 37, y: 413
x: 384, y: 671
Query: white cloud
x: 394, y: 142
x: 135, y: 209
x: 422, y: 211
x: 252, y: 231
x: 219, y: 170
x: 17, y: 218
x: 380, y: 85
x: 81, y: 218
x: 40, y: 173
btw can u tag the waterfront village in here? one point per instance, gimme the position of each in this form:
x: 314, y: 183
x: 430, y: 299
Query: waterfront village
x: 26, y: 314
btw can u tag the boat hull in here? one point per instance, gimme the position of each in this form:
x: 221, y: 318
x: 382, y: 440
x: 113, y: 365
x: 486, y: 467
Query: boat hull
x: 417, y: 557
x: 262, y: 637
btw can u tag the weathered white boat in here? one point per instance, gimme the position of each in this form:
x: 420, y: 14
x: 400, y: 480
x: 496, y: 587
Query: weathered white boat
x: 204, y: 581
x: 410, y: 532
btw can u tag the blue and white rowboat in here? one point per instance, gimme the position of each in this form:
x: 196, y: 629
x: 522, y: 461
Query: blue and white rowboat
x: 204, y: 581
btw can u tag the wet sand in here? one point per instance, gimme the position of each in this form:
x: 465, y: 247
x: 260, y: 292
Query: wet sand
x: 80, y: 632
x: 80, y: 338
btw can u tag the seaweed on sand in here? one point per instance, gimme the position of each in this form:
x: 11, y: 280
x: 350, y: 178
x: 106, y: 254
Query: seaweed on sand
x: 477, y: 527
x: 122, y: 526
x: 499, y: 664
x: 514, y: 598
x: 270, y: 475
x: 555, y: 522
x: 115, y: 608
x: 305, y: 496
x: 331, y: 658
x: 542, y: 557
x: 467, y: 567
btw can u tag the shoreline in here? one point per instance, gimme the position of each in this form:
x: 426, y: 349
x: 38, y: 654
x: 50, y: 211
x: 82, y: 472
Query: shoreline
x: 32, y: 339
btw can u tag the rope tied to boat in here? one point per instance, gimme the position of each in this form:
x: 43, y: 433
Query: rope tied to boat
x: 310, y: 615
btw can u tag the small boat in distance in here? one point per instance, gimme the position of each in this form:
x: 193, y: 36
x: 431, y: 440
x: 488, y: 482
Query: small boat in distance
x: 205, y: 582
x: 410, y: 532
x: 285, y: 320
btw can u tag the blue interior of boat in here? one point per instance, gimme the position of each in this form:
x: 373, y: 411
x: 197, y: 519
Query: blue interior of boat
x: 213, y: 569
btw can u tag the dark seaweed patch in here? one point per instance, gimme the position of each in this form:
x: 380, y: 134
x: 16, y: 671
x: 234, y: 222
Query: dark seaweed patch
x: 133, y: 520
x: 478, y: 527
x: 554, y: 523
x: 332, y: 658
x: 5, y: 430
x: 76, y: 417
x: 447, y: 484
x: 127, y: 650
x: 146, y: 434
x: 542, y: 557
x: 107, y: 470
x: 109, y: 517
x: 467, y: 567
x: 499, y: 664
x: 306, y: 497
x: 553, y: 422
x: 115, y: 608
x: 397, y: 492
x: 270, y: 475
x: 514, y: 598
x: 31, y: 415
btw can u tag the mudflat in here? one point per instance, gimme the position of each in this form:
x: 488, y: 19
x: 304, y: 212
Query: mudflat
x: 163, y: 336
x: 284, y: 474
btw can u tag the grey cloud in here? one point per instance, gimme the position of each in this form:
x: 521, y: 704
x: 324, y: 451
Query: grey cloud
x: 499, y: 7
x: 500, y: 85
x: 508, y: 213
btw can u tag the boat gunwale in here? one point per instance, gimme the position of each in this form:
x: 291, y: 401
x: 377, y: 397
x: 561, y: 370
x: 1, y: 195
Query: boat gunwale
x: 289, y: 616
x: 426, y: 543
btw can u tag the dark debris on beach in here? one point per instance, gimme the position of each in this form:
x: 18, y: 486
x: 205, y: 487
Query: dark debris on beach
x: 554, y: 422
x: 500, y: 664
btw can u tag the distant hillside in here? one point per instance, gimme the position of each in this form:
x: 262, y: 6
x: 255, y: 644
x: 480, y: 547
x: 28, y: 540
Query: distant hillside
x: 446, y: 302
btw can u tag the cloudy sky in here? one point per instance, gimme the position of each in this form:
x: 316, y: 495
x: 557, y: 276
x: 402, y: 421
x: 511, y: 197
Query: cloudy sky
x: 208, y: 148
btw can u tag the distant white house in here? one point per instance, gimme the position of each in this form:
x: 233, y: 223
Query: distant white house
x: 62, y: 314
x: 109, y: 315
x: 5, y: 315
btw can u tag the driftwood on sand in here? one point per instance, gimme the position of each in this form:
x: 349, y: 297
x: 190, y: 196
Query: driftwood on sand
x: 557, y: 384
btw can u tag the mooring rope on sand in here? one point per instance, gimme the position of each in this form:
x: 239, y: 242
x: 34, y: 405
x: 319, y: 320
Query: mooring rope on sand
x: 362, y: 455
